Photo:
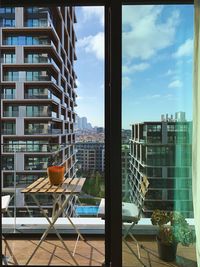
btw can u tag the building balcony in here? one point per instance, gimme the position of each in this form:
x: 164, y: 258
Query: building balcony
x: 42, y: 114
x: 7, y: 96
x: 42, y: 96
x: 41, y: 60
x: 43, y: 131
x: 8, y: 131
x: 10, y: 113
x: 27, y: 148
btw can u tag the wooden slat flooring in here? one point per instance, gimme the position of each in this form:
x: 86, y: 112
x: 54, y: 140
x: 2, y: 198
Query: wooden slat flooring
x: 91, y: 253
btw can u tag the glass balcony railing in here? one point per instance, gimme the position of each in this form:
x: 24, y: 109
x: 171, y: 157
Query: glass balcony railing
x: 40, y: 22
x: 39, y: 114
x: 8, y: 60
x: 11, y: 113
x: 42, y: 96
x: 41, y: 59
x: 36, y: 10
x: 7, y: 96
x: 36, y: 96
x: 29, y: 148
x: 42, y: 131
x: 8, y: 131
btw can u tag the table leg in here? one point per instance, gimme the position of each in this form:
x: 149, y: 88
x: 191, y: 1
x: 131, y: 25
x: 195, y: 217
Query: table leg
x: 51, y: 225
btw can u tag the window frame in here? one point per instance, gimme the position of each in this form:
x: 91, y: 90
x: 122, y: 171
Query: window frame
x: 113, y: 97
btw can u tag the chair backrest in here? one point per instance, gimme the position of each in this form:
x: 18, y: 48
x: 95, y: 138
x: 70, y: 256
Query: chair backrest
x: 144, y: 185
x: 5, y: 200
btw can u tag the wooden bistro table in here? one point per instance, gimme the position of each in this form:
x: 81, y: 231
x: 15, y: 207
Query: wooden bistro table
x: 67, y: 188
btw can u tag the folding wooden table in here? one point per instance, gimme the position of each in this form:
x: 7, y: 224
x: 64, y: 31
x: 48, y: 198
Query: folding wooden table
x: 68, y: 188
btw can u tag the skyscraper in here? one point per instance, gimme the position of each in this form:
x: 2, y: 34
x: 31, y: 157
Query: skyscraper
x: 38, y: 93
x: 162, y: 152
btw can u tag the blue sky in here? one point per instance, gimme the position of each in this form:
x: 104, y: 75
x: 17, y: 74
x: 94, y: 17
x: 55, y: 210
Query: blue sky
x: 157, y: 66
x: 90, y: 64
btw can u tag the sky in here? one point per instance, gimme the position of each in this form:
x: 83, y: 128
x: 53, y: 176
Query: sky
x: 157, y: 54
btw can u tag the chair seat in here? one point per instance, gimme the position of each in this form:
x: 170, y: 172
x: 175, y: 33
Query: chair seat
x: 129, y: 212
x: 4, y: 203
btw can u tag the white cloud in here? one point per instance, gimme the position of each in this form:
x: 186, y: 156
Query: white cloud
x: 175, y: 84
x: 93, y: 44
x: 134, y: 68
x: 126, y: 82
x: 144, y: 33
x: 93, y: 11
x: 185, y: 49
x: 169, y: 72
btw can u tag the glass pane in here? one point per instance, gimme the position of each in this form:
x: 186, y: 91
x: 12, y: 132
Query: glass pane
x: 55, y: 119
x: 157, y: 130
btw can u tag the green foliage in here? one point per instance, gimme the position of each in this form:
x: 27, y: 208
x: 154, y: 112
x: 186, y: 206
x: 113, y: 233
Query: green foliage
x: 173, y: 227
x: 90, y: 201
x: 94, y: 184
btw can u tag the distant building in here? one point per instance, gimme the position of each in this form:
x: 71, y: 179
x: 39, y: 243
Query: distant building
x: 82, y: 124
x: 125, y: 155
x: 90, y: 156
x: 162, y: 152
x: 99, y: 130
x: 126, y: 135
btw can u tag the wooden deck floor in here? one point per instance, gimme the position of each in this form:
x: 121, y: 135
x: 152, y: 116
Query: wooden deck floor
x: 91, y: 253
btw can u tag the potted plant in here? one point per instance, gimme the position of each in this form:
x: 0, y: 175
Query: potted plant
x: 173, y: 229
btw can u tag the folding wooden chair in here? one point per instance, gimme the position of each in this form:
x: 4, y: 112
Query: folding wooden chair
x: 131, y: 214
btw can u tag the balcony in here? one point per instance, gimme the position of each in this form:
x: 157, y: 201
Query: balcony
x: 11, y: 113
x: 89, y: 253
x: 43, y: 131
x: 8, y: 96
x: 41, y: 60
x: 8, y: 131
x: 9, y: 148
x: 42, y: 96
x: 42, y: 114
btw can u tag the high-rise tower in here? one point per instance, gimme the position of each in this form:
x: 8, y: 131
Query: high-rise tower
x: 38, y: 93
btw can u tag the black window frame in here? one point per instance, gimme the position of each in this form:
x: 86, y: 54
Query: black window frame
x: 113, y: 108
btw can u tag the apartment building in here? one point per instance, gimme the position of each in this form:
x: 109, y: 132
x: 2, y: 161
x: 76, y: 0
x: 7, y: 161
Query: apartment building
x: 38, y: 95
x: 91, y: 156
x: 162, y: 150
x: 125, y: 155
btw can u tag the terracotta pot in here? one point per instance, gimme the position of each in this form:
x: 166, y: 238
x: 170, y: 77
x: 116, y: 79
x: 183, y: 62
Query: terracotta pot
x: 166, y: 252
x: 56, y: 174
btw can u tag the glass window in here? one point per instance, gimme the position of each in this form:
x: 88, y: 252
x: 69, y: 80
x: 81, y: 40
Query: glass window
x: 29, y: 75
x: 29, y: 40
x: 21, y: 40
x: 161, y: 142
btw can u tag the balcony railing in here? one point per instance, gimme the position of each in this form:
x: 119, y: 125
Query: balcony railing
x: 11, y: 113
x: 42, y: 131
x: 7, y: 148
x: 8, y: 131
x: 42, y: 60
x: 42, y: 96
x: 39, y: 114
x: 8, y: 96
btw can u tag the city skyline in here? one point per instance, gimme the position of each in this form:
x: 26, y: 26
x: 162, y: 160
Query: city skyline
x: 156, y: 62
